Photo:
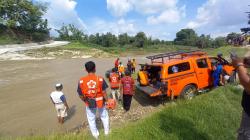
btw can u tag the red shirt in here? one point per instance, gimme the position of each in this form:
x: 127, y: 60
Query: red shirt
x: 128, y: 85
x: 116, y: 63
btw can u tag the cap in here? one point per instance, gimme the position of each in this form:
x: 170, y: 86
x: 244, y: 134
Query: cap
x: 59, y: 85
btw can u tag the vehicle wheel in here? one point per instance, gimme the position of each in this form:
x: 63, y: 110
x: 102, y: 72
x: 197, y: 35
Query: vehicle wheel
x: 188, y: 92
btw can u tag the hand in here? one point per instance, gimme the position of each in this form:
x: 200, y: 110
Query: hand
x: 236, y: 61
x: 67, y: 108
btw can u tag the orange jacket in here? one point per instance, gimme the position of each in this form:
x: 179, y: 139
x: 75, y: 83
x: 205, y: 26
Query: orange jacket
x: 121, y: 68
x: 91, y: 87
x: 114, y: 80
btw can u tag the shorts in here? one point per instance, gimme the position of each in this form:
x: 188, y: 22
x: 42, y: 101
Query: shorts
x: 244, y: 130
x: 61, y: 110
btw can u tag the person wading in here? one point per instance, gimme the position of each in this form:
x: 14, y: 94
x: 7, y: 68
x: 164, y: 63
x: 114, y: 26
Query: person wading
x: 92, y: 90
x: 128, y: 90
x: 58, y: 99
x: 114, y: 80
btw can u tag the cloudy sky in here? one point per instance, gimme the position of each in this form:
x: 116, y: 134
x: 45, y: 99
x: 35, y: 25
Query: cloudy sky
x: 157, y: 18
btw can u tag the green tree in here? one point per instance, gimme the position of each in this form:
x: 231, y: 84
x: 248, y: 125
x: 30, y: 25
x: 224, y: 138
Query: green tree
x: 186, y: 37
x: 22, y: 13
x: 219, y: 42
x: 71, y: 33
x: 123, y: 39
x: 140, y: 39
x: 24, y: 17
x: 204, y: 41
x: 109, y: 40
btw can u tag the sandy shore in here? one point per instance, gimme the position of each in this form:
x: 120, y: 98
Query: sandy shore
x: 25, y: 86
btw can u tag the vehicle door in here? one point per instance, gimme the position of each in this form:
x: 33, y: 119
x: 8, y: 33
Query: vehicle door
x: 203, y: 72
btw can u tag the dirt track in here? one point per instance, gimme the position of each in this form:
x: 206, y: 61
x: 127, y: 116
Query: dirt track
x: 25, y: 86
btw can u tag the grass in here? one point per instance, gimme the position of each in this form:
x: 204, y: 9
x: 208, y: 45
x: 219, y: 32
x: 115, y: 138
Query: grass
x: 213, y: 115
x: 5, y: 39
x: 130, y: 51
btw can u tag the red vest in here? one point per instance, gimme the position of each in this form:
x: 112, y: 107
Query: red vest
x: 91, y: 87
x: 128, y: 85
x: 114, y: 80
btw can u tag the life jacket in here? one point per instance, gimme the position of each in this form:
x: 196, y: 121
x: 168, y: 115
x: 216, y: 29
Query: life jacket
x: 128, y: 85
x: 91, y: 87
x: 143, y: 76
x: 114, y: 80
x: 121, y: 68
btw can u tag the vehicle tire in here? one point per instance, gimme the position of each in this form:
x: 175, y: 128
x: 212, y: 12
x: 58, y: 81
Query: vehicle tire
x: 188, y: 92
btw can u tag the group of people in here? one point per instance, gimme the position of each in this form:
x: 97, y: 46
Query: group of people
x: 131, y: 66
x: 92, y: 91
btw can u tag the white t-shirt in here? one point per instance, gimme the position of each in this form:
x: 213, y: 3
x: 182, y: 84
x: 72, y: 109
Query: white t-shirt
x: 56, y: 96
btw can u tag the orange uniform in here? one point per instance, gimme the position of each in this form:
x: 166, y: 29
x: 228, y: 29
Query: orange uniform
x: 91, y: 87
x: 114, y: 80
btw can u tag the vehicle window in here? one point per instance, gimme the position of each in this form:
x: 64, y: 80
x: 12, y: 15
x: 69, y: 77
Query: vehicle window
x: 214, y: 61
x: 178, y: 68
x: 202, y: 63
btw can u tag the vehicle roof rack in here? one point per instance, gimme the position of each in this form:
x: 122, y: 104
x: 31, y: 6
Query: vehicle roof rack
x: 173, y: 55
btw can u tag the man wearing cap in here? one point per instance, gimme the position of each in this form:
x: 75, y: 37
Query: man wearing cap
x: 92, y: 90
x: 58, y: 99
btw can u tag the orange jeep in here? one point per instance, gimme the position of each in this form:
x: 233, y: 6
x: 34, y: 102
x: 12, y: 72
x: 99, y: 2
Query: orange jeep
x: 179, y: 73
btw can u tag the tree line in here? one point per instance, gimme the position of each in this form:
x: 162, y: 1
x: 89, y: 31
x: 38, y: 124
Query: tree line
x: 186, y: 37
x: 71, y: 33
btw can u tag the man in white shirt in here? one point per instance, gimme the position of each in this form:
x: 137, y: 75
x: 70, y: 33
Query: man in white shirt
x: 58, y: 99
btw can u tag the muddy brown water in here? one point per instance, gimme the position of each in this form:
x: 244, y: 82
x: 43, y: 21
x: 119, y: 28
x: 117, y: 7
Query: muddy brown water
x: 25, y: 107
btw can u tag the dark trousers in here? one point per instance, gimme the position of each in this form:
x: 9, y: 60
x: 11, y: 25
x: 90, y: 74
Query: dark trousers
x: 127, y: 101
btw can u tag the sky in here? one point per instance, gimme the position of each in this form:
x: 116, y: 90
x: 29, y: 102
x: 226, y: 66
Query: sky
x: 157, y: 18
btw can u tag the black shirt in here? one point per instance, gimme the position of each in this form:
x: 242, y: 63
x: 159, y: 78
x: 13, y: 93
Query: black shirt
x: 246, y: 102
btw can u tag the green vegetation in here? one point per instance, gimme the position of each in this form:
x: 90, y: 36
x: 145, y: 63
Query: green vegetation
x: 212, y: 115
x: 22, y: 20
x: 129, y: 50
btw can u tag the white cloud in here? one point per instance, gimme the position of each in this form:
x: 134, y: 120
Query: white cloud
x: 168, y: 16
x: 157, y: 11
x: 153, y: 6
x: 220, y: 13
x: 119, y: 7
x: 115, y: 27
x: 63, y: 12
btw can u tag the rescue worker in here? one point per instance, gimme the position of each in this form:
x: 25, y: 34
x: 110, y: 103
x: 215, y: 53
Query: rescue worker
x: 117, y: 63
x: 92, y: 90
x: 128, y: 90
x: 114, y: 80
x: 129, y: 66
x: 121, y: 69
x: 58, y: 99
x: 133, y: 65
x: 217, y: 73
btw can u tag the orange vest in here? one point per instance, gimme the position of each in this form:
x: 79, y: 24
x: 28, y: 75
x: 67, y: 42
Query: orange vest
x: 114, y: 80
x: 91, y: 87
x: 121, y: 69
